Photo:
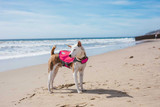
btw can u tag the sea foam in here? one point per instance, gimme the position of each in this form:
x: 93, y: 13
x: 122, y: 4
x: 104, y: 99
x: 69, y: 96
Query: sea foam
x: 10, y: 49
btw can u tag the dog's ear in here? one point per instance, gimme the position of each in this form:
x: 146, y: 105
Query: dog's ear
x: 79, y: 44
x: 69, y: 46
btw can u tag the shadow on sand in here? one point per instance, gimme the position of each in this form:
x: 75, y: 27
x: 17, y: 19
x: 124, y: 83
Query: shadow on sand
x: 109, y: 92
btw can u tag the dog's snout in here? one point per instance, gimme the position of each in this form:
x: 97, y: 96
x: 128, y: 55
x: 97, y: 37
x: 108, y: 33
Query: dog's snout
x: 69, y: 55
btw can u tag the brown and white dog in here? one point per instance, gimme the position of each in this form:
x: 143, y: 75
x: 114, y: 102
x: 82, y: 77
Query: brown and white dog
x: 54, y: 63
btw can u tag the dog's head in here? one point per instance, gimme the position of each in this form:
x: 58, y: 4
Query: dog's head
x: 77, y: 50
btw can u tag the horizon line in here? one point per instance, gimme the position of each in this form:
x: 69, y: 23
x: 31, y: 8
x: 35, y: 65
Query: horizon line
x: 61, y: 38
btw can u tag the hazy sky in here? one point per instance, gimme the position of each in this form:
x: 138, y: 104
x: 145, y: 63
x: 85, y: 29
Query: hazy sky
x: 77, y: 18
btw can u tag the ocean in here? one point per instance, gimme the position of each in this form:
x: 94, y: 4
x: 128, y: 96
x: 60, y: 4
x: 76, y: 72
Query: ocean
x: 18, y: 53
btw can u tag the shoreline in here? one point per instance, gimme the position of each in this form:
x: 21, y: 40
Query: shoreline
x: 17, y: 63
x: 46, y: 57
x: 96, y: 55
x: 104, y: 83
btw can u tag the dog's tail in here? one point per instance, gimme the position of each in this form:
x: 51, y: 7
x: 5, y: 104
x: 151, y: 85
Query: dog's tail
x: 52, y: 51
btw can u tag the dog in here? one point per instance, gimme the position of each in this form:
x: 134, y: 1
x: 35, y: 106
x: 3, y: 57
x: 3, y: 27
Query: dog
x: 78, y: 64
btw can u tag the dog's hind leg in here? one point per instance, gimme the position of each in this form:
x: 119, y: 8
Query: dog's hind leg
x: 51, y: 77
x: 49, y: 81
x: 55, y: 70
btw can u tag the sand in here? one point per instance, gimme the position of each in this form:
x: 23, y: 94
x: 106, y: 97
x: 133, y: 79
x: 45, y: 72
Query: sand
x: 125, y: 78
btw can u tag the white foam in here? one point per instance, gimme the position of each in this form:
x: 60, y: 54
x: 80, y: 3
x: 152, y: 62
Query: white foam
x: 25, y: 55
x: 19, y: 49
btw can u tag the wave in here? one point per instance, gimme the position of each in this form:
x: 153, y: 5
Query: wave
x: 26, y: 55
x: 60, y: 42
x: 28, y: 48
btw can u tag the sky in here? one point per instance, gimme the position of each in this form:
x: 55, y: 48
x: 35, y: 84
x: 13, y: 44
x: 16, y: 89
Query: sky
x: 20, y: 19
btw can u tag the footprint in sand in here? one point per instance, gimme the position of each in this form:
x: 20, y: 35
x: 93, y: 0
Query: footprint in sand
x: 92, y: 105
x: 129, y: 101
x: 81, y: 105
x: 157, y: 57
x: 131, y: 57
x: 26, y: 98
x: 61, y: 96
x: 119, y: 85
x: 58, y: 105
x: 69, y: 95
x: 23, y: 99
x: 32, y: 95
x: 92, y: 99
x: 66, y: 85
x: 65, y: 106
x: 138, y: 64
x: 104, y: 84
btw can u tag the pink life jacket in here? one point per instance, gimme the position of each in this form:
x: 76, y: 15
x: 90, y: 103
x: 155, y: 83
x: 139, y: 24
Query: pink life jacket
x: 66, y: 60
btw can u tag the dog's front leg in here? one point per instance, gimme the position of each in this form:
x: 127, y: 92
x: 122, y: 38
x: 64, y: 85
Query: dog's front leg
x: 76, y: 81
x: 81, y: 79
x: 81, y: 74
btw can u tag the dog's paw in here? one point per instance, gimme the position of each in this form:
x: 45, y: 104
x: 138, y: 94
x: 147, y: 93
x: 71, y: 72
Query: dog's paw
x: 54, y: 88
x: 84, y: 90
x: 50, y: 92
x: 79, y: 92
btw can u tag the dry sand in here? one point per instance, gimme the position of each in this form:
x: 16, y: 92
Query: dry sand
x: 125, y: 78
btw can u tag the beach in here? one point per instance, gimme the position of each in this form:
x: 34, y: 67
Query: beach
x: 127, y: 77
